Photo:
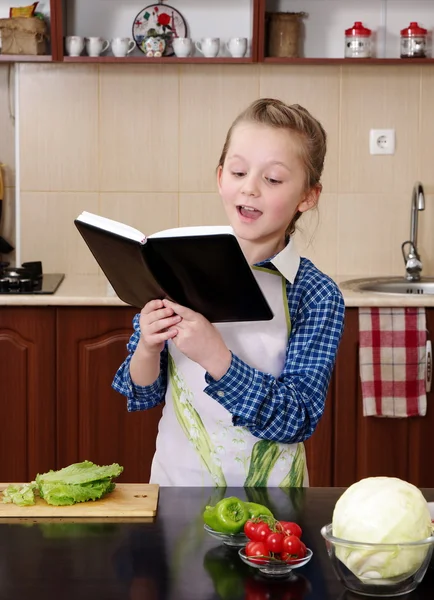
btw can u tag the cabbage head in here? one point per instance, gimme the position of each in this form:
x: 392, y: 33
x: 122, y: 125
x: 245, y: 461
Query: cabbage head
x: 380, y: 510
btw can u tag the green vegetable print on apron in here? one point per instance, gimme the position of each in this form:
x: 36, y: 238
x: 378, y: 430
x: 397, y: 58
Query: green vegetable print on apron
x: 197, y: 445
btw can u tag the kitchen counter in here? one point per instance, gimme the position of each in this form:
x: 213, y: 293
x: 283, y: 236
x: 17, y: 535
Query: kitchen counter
x: 171, y: 557
x: 75, y: 290
x: 94, y: 290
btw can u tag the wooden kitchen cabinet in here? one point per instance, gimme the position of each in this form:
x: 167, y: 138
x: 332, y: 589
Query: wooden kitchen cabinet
x: 92, y: 420
x: 421, y: 433
x: 374, y: 446
x: 57, y: 405
x: 56, y: 402
x: 319, y: 447
x: 27, y: 392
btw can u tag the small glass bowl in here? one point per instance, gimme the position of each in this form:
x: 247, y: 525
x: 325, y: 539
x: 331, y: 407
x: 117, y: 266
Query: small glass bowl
x: 416, y: 554
x: 274, y: 567
x: 237, y: 540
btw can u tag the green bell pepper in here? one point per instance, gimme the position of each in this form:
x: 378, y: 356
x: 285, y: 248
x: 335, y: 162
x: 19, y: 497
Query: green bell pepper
x: 257, y: 510
x: 227, y: 516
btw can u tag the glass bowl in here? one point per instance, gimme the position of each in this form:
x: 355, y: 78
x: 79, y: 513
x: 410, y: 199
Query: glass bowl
x: 272, y: 566
x: 407, y: 564
x: 431, y: 512
x: 237, y: 540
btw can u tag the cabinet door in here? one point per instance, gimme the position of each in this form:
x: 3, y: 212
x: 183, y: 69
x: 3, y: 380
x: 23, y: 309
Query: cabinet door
x: 363, y: 446
x: 27, y: 392
x: 421, y: 432
x: 93, y: 422
x: 319, y: 447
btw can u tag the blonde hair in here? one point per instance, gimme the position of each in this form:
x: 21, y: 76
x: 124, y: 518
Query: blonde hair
x: 297, y: 120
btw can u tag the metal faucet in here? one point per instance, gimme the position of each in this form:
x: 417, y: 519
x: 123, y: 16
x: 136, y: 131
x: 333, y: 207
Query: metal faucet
x: 412, y: 260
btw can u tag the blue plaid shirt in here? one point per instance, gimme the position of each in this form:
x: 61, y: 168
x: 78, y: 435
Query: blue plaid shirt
x: 284, y: 409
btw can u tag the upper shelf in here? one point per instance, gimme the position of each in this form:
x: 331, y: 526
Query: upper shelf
x: 4, y: 58
x: 346, y: 61
x: 321, y: 36
x: 163, y: 60
x: 13, y: 58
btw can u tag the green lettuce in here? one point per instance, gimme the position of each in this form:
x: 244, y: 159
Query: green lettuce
x: 79, y: 482
x: 21, y: 496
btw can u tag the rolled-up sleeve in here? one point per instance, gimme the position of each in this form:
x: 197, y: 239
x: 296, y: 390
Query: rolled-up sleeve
x: 287, y: 408
x: 140, y: 397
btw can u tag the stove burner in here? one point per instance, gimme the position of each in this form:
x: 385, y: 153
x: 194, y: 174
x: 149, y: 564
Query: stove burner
x: 28, y: 279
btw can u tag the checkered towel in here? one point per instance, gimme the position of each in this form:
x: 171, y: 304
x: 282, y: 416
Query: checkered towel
x: 392, y: 361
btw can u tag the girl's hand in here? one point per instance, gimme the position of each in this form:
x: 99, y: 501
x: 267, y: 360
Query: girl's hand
x: 156, y: 326
x: 200, y: 341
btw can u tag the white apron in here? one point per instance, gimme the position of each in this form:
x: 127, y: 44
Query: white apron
x: 197, y: 445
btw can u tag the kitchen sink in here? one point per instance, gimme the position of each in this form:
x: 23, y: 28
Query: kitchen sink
x: 391, y: 285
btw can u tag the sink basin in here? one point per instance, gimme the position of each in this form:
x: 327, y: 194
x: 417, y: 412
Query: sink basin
x: 391, y: 285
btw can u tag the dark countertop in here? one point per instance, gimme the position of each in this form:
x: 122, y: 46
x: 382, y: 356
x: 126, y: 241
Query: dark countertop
x: 170, y: 557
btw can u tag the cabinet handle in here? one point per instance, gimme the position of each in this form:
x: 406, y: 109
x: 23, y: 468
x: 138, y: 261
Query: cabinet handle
x: 428, y: 370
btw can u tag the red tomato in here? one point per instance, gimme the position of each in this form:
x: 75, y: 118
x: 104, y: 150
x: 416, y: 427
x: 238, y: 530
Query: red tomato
x: 291, y: 528
x: 274, y: 542
x: 288, y: 558
x: 303, y: 550
x: 292, y: 545
x: 257, y: 551
x: 250, y: 529
x: 262, y: 532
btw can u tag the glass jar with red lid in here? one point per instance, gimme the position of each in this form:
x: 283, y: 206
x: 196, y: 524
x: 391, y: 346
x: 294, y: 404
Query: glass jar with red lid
x: 413, y: 41
x: 358, y: 41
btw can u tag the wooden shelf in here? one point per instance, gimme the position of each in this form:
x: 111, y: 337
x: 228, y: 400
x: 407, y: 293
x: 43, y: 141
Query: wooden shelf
x: 162, y: 60
x: 347, y: 61
x: 25, y: 58
x: 57, y: 10
x: 217, y: 60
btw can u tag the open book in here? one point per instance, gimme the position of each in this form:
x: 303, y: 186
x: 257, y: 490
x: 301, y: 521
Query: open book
x: 203, y: 268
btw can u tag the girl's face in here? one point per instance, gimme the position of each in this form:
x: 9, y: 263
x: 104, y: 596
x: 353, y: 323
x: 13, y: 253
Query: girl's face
x: 262, y: 184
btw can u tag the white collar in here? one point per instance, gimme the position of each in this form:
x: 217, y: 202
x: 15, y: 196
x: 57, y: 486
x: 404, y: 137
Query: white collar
x: 287, y: 261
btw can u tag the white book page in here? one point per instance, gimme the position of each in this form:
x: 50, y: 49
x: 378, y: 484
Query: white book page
x: 114, y: 226
x: 198, y: 230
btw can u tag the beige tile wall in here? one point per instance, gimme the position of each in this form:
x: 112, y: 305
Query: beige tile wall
x: 7, y: 158
x: 140, y: 143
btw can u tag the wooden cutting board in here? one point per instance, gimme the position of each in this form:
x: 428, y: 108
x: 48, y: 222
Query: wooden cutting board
x: 126, y: 500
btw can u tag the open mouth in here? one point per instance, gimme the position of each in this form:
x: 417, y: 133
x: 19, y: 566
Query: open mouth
x: 248, y: 212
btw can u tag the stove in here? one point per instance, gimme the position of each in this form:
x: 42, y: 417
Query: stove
x: 28, y: 279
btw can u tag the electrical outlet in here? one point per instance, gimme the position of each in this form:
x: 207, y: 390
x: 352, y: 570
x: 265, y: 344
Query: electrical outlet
x: 382, y: 141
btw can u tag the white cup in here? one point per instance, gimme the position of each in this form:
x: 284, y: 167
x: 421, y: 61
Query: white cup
x: 182, y: 46
x: 96, y: 46
x: 209, y: 47
x: 237, y: 47
x: 121, y: 46
x: 74, y: 45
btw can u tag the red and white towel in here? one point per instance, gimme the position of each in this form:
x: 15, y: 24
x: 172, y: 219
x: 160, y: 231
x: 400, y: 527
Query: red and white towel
x: 393, y: 361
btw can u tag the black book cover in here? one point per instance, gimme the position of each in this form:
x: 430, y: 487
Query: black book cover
x: 207, y: 273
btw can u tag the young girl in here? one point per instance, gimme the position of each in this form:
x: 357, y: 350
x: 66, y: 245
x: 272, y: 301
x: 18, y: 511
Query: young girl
x: 240, y: 398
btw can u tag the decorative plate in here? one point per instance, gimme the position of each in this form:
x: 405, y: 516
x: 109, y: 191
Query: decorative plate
x: 163, y: 19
